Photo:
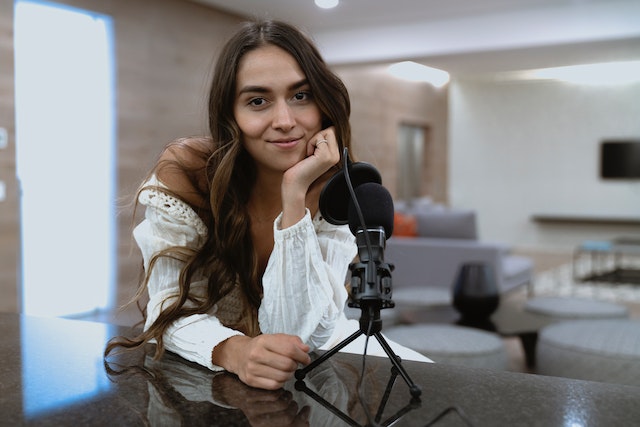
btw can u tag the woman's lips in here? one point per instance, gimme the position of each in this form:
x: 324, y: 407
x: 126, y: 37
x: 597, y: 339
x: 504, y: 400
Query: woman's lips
x: 286, y: 143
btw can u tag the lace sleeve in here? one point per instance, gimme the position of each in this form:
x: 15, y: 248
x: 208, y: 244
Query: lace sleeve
x: 173, y: 207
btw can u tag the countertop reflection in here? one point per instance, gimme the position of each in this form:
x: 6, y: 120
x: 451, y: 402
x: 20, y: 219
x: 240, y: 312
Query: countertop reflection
x: 53, y: 373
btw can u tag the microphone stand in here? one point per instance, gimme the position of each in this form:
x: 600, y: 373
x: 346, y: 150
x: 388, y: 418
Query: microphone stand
x: 370, y: 302
x: 371, y: 282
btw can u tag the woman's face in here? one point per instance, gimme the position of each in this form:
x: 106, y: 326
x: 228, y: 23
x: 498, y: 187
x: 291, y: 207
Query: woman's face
x: 274, y: 108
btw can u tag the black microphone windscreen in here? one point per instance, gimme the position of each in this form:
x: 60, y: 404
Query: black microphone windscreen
x: 376, y: 205
x: 335, y: 196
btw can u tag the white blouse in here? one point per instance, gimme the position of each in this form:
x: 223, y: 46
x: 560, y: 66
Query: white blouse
x: 303, y: 285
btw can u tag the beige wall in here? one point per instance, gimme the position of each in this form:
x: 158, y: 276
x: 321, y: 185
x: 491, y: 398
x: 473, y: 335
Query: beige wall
x: 525, y: 148
x: 164, y: 52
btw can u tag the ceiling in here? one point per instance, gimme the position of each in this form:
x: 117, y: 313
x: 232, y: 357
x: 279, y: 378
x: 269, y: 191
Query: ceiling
x: 463, y: 37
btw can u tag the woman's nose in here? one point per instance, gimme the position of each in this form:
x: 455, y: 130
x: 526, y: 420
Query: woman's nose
x: 283, y: 116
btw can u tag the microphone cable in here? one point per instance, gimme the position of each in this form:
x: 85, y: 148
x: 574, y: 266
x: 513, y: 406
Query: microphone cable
x: 356, y: 205
x: 360, y: 390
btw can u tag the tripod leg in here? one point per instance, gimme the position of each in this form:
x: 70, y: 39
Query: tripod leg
x: 301, y: 386
x: 301, y: 373
x: 413, y: 388
x: 387, y: 392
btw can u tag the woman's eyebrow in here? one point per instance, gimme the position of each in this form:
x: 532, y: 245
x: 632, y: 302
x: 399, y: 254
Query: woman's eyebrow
x: 298, y: 85
x: 262, y: 89
x: 253, y: 89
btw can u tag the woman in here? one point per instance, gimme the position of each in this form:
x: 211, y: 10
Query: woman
x: 242, y: 272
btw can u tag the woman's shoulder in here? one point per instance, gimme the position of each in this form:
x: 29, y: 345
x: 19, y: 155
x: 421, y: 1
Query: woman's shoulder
x: 182, y: 168
x: 192, y: 151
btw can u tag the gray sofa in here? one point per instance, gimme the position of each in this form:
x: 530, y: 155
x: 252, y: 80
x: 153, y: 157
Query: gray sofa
x: 447, y: 238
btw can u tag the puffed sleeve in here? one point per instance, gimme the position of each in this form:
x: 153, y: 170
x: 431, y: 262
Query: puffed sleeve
x: 169, y: 222
x: 304, y: 283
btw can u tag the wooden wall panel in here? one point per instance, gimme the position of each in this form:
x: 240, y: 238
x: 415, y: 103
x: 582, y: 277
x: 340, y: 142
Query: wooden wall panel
x: 9, y: 216
x: 379, y: 104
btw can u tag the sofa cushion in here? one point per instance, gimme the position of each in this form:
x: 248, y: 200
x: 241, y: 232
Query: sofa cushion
x: 405, y: 225
x: 416, y: 205
x: 516, y: 270
x: 447, y: 223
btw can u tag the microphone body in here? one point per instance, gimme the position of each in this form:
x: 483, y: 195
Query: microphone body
x: 371, y: 282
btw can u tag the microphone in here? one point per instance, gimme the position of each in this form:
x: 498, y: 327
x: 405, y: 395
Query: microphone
x: 356, y: 186
x: 335, y: 195
x: 340, y: 199
x: 376, y: 205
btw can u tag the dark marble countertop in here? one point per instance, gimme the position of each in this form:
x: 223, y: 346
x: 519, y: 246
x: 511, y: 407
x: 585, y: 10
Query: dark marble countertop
x: 53, y: 374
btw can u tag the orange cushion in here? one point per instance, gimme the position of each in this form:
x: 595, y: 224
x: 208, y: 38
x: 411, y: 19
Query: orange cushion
x: 404, y: 225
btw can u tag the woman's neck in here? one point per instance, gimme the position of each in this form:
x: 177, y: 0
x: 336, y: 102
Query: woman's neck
x: 265, y: 200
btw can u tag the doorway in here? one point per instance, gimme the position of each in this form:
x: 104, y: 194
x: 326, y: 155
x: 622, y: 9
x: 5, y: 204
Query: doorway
x: 411, y: 161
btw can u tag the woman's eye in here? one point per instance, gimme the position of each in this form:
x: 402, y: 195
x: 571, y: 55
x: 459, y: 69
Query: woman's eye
x: 257, y: 102
x: 302, y: 96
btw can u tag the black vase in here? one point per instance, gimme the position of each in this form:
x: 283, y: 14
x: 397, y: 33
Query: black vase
x: 475, y: 292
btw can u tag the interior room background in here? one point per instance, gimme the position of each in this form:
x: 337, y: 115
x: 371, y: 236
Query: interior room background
x: 507, y: 149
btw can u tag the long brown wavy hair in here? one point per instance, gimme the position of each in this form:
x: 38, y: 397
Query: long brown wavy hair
x: 227, y: 258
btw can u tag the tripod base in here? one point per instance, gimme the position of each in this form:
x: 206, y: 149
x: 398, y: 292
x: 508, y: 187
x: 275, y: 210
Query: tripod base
x: 395, y: 360
x: 414, y: 403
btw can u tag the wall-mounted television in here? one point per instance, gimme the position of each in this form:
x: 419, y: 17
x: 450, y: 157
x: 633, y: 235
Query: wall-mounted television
x: 620, y: 159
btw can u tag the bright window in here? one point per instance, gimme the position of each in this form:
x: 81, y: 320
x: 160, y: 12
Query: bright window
x: 65, y: 147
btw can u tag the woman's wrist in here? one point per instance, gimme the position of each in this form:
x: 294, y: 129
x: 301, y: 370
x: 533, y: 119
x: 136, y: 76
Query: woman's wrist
x: 225, y: 353
x: 293, y: 205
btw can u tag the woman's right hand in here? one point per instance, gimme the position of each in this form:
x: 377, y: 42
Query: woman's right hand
x: 323, y: 153
x: 267, y: 361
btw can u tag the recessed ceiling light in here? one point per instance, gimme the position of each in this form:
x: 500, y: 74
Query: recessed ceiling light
x: 409, y: 70
x: 600, y: 74
x: 327, y: 4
